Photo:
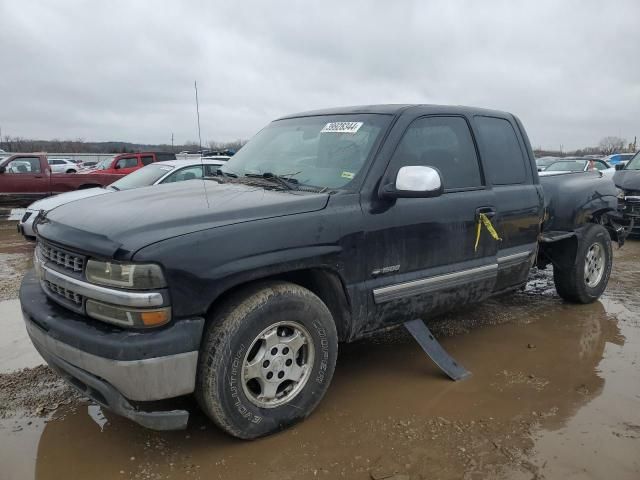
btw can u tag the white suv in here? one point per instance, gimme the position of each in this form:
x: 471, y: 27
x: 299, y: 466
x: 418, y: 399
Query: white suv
x: 62, y: 165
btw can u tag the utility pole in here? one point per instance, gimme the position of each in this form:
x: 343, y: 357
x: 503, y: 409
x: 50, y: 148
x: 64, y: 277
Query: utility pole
x: 171, y: 142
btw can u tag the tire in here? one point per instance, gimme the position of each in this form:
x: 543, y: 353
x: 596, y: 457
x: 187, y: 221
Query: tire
x: 71, y: 171
x: 573, y: 282
x: 241, y: 333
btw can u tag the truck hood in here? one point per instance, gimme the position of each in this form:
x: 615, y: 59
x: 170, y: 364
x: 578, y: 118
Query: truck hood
x: 119, y: 224
x: 49, y: 203
x: 627, y: 179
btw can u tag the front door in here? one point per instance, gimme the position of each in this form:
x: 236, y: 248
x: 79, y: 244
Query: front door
x: 23, y: 181
x: 422, y: 252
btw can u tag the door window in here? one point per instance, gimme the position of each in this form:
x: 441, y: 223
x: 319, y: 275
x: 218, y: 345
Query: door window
x: 211, y: 170
x: 444, y: 143
x: 188, y: 173
x: 601, y: 165
x: 501, y: 152
x: 23, y: 165
x: 129, y: 162
x: 147, y: 159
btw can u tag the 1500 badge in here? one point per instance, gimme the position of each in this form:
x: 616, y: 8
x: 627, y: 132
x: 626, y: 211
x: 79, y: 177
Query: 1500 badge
x: 385, y: 270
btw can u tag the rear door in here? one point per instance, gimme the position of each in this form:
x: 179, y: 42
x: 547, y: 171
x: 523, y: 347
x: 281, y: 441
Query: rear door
x: 422, y: 251
x: 518, y: 195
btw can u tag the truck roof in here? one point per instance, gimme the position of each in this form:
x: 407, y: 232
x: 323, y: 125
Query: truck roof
x: 396, y: 109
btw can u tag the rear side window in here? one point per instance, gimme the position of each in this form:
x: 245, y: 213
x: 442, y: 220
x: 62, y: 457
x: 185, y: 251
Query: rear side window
x: 444, y: 143
x: 130, y: 162
x: 23, y: 165
x: 147, y: 159
x: 501, y: 151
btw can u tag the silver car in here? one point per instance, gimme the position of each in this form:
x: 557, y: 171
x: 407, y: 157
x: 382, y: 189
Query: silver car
x: 153, y: 174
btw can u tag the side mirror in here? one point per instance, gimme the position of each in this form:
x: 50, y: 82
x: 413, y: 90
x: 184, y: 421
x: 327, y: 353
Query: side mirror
x: 619, y: 166
x: 415, y: 182
x: 3, y: 169
x: 116, y: 166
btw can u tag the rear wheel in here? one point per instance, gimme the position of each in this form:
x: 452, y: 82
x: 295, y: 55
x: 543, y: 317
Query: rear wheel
x: 585, y: 280
x: 267, y: 359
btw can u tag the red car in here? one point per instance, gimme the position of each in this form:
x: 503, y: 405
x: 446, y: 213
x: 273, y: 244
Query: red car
x: 130, y: 162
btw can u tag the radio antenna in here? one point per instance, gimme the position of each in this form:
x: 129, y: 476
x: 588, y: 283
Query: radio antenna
x: 204, y: 186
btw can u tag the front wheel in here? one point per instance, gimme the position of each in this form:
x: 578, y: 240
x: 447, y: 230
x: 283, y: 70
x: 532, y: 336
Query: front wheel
x: 586, y: 279
x: 266, y: 360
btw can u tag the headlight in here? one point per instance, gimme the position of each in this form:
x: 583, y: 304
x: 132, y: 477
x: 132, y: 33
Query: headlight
x: 125, y: 275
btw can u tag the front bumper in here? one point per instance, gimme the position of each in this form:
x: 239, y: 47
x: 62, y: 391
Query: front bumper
x: 115, y: 367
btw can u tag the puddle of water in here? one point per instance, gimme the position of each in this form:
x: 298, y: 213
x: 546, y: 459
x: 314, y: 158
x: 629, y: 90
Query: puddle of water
x: 381, y: 411
x: 16, y: 350
x: 95, y: 413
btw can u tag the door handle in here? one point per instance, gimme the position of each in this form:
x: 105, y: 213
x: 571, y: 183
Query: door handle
x: 489, y: 212
x: 37, y: 176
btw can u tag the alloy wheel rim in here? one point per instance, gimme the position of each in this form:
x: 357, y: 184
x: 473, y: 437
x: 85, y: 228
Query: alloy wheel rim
x: 594, y: 265
x: 278, y: 364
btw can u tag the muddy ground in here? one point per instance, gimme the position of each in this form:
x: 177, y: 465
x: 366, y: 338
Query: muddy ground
x: 555, y: 393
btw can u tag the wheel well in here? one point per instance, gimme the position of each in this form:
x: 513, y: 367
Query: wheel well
x: 563, y: 252
x: 327, y: 285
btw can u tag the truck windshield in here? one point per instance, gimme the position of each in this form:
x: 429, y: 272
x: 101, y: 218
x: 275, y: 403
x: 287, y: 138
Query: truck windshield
x: 634, y: 163
x: 324, y: 151
x: 148, y: 175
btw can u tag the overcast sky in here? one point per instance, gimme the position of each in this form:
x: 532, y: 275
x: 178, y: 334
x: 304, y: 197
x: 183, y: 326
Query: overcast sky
x: 124, y: 70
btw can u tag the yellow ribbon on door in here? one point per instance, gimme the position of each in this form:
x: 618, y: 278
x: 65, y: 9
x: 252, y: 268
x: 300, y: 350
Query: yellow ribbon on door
x: 484, y: 220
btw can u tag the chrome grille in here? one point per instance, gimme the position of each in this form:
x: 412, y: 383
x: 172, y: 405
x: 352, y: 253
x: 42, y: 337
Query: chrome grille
x: 63, y: 292
x: 65, y: 259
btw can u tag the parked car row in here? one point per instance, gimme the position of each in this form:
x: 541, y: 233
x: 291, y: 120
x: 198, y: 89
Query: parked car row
x: 576, y: 164
x: 153, y: 174
x: 25, y: 177
x: 611, y: 161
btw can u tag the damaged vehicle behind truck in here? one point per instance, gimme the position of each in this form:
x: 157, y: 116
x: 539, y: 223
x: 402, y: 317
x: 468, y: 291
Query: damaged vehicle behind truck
x: 326, y: 227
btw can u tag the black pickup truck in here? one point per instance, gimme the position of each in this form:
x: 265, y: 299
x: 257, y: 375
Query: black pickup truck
x: 326, y: 227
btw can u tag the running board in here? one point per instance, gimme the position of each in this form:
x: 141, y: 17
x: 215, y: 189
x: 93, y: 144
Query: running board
x: 434, y: 350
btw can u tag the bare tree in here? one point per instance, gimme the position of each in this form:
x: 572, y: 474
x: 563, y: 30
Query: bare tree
x: 610, y: 145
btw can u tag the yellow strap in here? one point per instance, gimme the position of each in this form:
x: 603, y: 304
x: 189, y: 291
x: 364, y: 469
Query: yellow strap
x: 484, y: 220
x: 478, y: 226
x: 487, y: 223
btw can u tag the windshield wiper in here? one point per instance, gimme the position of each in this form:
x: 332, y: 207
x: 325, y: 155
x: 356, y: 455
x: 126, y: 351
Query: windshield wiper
x: 288, y: 183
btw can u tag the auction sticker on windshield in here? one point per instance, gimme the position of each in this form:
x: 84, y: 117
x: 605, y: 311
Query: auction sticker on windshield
x: 341, y: 127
